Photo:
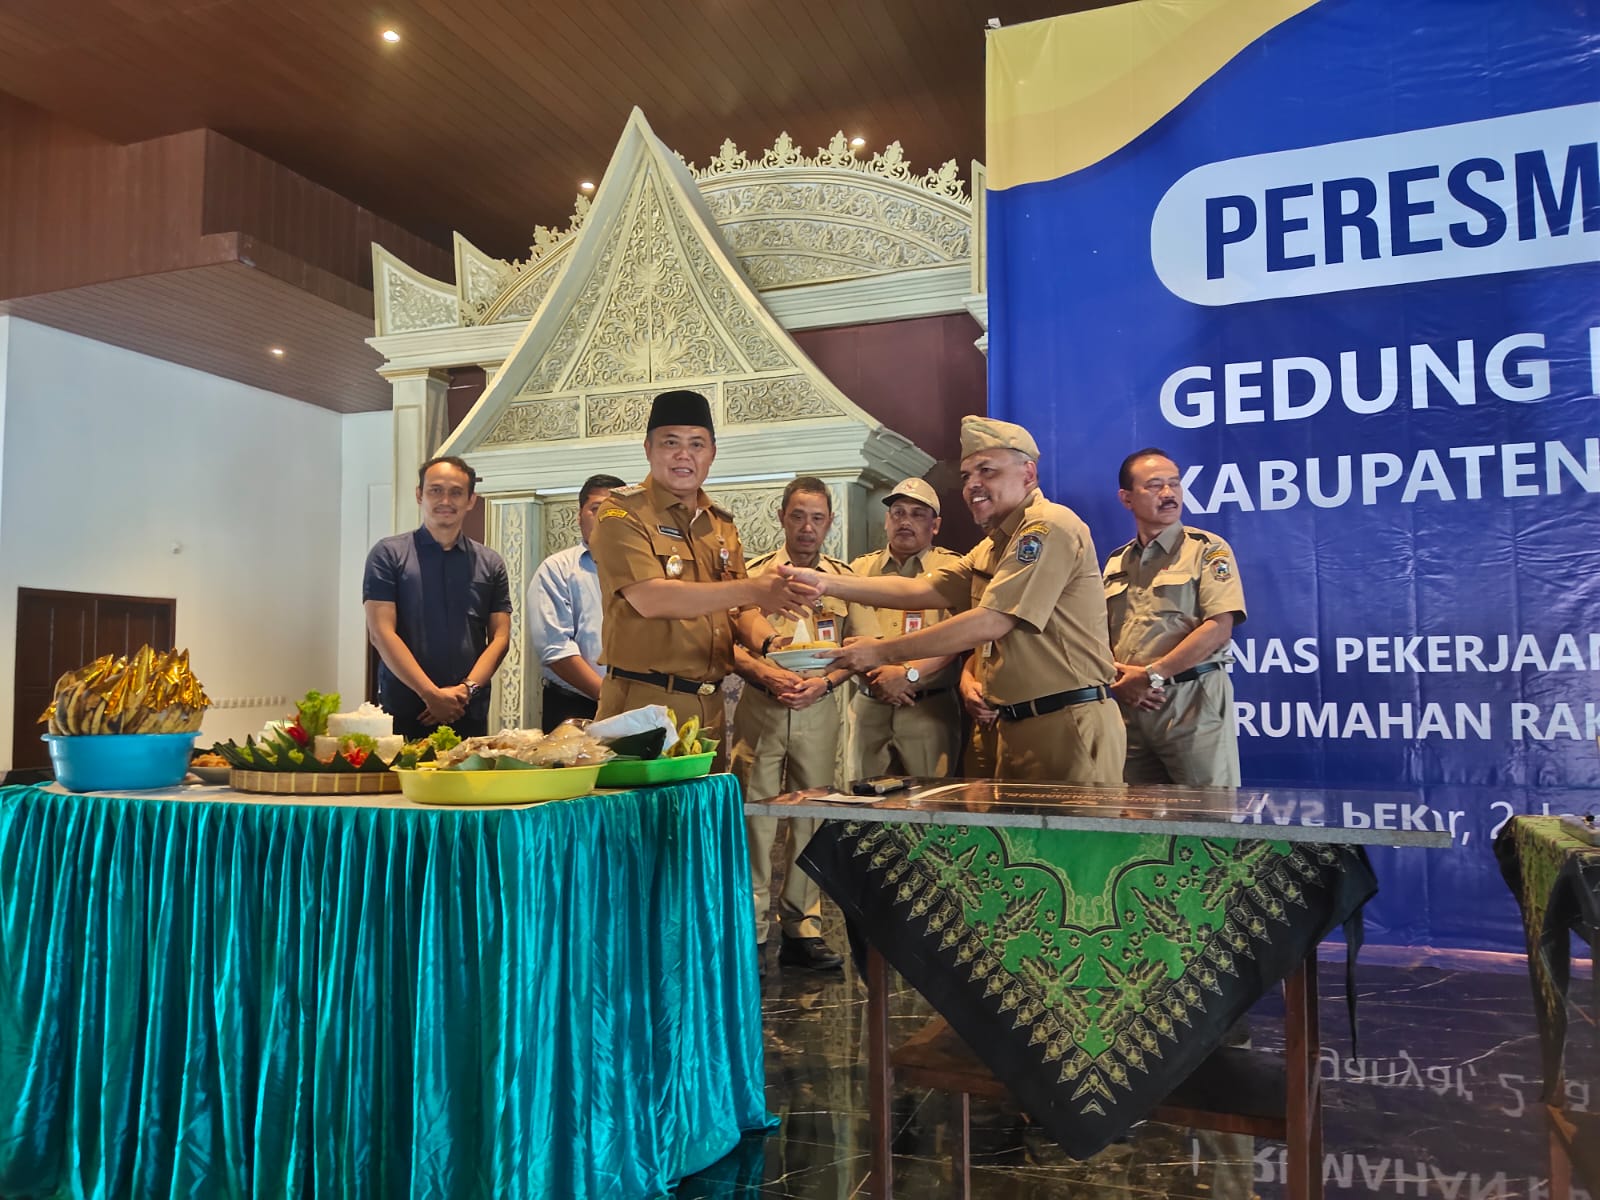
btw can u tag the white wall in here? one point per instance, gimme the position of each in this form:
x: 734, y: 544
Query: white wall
x: 5, y: 579
x: 367, y: 513
x: 125, y: 474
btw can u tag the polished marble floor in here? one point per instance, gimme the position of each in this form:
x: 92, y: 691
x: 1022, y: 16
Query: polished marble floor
x: 1443, y: 1101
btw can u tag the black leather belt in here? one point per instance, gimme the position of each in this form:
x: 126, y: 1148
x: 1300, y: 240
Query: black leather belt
x: 1194, y: 673
x: 1050, y: 704
x: 671, y: 683
x: 922, y: 695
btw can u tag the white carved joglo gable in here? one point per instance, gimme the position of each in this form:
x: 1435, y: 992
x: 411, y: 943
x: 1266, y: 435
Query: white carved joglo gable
x: 650, y: 298
x: 831, y: 238
x: 407, y: 301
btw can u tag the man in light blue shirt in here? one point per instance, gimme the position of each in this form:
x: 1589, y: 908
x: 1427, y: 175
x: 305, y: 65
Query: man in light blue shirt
x: 564, y: 607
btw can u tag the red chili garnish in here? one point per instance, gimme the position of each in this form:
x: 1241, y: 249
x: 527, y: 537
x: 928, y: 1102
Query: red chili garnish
x: 355, y: 756
x: 299, y: 735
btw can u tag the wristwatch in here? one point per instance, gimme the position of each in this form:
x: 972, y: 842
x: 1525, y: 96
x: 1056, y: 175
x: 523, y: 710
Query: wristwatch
x: 913, y: 675
x: 767, y: 645
x: 473, y: 688
x: 1157, y: 679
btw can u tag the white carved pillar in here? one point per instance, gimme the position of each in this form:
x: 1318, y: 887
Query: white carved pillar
x: 514, y: 526
x: 421, y: 423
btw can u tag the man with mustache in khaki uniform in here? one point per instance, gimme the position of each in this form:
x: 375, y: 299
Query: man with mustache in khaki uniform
x: 786, y: 729
x: 673, y: 578
x: 906, y: 716
x: 1173, y: 598
x: 1033, y: 608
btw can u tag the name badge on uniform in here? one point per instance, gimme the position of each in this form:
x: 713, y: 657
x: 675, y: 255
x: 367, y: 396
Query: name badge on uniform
x: 670, y: 531
x: 724, y: 555
x: 913, y: 622
x: 674, y: 567
x: 825, y: 630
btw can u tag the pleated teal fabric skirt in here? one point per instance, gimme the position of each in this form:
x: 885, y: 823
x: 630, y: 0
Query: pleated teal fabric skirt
x: 212, y: 999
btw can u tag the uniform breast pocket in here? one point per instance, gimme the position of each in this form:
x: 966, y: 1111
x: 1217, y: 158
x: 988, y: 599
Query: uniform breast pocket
x: 675, y: 560
x: 1172, y: 591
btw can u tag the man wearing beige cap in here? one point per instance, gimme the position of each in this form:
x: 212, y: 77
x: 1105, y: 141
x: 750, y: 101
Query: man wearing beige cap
x: 906, y: 714
x: 1032, y: 607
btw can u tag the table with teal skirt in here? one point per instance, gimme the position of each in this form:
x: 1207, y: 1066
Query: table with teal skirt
x: 207, y: 994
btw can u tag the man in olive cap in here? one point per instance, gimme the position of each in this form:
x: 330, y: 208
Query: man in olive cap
x: 672, y: 575
x: 1032, y: 608
x: 907, y: 717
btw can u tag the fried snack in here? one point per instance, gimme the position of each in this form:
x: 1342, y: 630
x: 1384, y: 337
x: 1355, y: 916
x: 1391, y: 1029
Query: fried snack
x: 147, y: 692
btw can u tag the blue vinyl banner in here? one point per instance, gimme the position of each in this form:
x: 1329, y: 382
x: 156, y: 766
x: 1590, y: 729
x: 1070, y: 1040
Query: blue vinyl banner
x: 1341, y: 261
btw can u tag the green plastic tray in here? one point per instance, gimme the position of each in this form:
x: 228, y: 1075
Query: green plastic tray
x: 636, y: 772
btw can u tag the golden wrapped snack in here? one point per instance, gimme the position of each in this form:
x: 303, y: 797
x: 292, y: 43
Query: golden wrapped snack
x: 147, y: 692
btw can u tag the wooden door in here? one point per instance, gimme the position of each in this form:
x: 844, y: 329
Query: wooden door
x: 58, y: 631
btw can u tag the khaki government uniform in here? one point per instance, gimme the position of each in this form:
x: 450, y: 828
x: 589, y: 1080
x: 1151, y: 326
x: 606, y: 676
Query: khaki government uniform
x: 922, y: 735
x: 776, y: 750
x: 1155, y: 596
x: 644, y: 532
x: 1040, y: 566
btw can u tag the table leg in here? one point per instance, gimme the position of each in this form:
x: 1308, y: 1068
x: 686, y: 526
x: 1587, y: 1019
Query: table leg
x: 880, y: 1076
x: 1303, y: 1107
x: 964, y: 1148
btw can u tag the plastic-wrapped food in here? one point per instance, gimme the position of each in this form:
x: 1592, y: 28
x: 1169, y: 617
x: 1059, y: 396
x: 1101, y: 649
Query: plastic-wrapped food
x: 566, y: 746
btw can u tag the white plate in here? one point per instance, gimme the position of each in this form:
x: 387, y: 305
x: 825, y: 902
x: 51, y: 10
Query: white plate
x: 801, y: 660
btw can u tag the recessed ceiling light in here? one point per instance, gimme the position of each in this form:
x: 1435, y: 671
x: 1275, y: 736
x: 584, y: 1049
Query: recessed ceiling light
x: 858, y: 142
x: 586, y: 186
x: 391, y: 36
x: 276, y: 352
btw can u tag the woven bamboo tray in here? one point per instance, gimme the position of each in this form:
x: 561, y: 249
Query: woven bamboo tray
x: 314, y: 783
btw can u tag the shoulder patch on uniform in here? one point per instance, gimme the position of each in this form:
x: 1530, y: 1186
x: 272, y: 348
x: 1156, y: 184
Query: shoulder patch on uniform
x: 611, y: 510
x: 1221, y: 568
x: 1214, y: 552
x: 1039, y: 527
x: 1028, y: 546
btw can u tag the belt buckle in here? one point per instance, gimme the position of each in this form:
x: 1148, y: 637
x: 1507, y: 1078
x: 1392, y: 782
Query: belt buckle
x: 706, y: 689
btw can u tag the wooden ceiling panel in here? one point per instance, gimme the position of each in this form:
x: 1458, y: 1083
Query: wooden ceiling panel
x: 224, y: 320
x: 488, y: 113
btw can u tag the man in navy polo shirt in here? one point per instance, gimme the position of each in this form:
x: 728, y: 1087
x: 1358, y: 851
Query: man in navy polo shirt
x: 438, y: 610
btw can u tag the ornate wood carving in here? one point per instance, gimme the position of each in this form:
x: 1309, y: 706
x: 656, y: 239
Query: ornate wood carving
x: 537, y: 421
x: 791, y: 219
x: 785, y: 398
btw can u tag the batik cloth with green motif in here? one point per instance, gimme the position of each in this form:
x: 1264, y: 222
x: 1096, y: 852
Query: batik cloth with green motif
x: 1091, y: 972
x: 1555, y: 877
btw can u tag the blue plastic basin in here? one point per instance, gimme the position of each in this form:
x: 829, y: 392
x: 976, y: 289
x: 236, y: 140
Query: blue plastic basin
x: 118, y: 762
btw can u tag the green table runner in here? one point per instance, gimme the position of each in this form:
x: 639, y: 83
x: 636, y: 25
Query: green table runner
x: 213, y: 999
x: 1091, y: 972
